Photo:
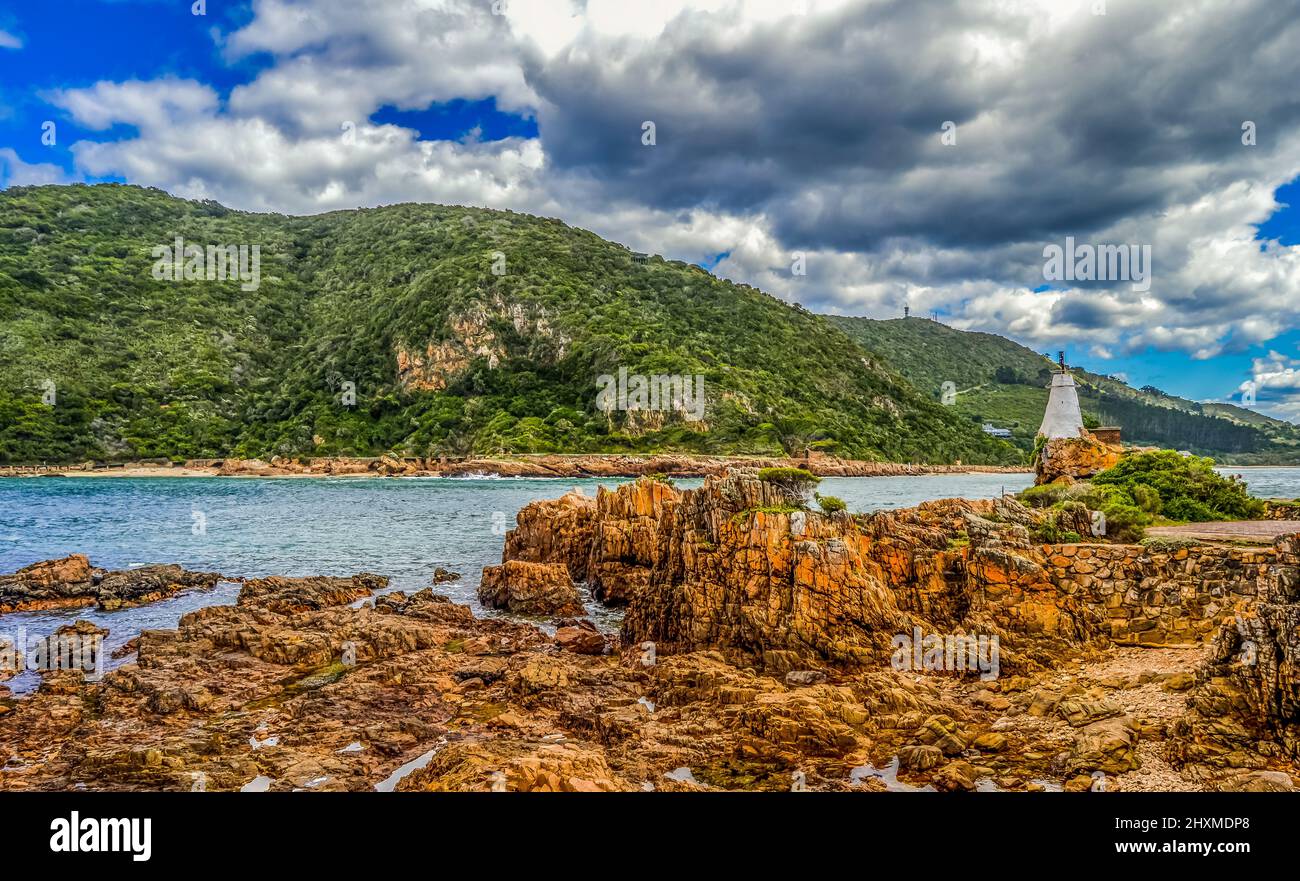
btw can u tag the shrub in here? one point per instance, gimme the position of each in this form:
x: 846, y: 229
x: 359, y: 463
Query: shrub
x: 794, y: 483
x: 1055, y: 528
x: 1146, y: 498
x: 1184, y: 488
x: 831, y: 504
x: 788, y: 475
x: 794, y: 479
x: 1125, y: 523
x: 1044, y: 496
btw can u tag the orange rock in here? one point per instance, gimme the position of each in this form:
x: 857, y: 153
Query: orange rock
x: 530, y: 589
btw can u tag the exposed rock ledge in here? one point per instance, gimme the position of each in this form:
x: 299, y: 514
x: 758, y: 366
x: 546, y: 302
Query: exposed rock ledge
x: 72, y: 581
x: 739, y: 566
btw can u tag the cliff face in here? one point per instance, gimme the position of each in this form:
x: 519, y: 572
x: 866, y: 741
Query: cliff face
x: 554, y: 531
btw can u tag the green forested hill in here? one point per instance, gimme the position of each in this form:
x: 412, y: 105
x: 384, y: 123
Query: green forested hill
x: 461, y: 330
x: 1004, y: 383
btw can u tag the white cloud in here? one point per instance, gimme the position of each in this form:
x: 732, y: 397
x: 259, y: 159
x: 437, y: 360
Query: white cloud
x: 153, y: 105
x: 10, y: 41
x: 14, y: 172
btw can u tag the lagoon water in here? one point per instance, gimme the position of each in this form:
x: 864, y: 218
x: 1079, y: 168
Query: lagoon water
x: 403, y: 528
x: 1267, y: 481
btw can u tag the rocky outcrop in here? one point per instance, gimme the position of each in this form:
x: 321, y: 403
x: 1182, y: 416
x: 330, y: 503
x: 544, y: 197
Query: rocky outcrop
x: 1245, y: 709
x: 417, y: 694
x: 148, y: 584
x: 1065, y: 460
x: 72, y: 582
x: 624, y: 547
x: 554, y: 531
x: 474, y: 336
x: 287, y: 595
x: 530, y: 589
x: 610, y: 541
x: 759, y: 651
x: 739, y: 565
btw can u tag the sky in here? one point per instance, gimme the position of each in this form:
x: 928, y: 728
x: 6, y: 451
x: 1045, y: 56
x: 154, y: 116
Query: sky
x: 855, y: 156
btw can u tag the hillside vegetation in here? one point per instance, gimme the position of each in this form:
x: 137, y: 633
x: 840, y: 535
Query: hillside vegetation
x: 1004, y: 383
x: 417, y: 329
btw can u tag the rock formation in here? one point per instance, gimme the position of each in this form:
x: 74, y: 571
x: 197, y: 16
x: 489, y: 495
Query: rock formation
x: 1066, y: 460
x: 1245, y: 709
x: 530, y: 589
x: 72, y: 581
x: 554, y: 531
x: 737, y: 565
x: 307, y: 594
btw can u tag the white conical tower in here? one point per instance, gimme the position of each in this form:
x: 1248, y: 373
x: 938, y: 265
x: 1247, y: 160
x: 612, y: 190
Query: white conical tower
x: 1062, y: 418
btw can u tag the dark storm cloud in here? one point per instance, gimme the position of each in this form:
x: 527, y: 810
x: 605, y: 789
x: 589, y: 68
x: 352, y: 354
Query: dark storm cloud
x: 831, y: 126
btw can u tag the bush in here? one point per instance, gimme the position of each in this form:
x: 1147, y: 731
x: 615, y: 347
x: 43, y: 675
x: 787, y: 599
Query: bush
x: 1142, y: 487
x: 794, y: 483
x: 791, y: 478
x: 1125, y: 523
x: 1044, y: 496
x: 1146, y: 498
x: 1057, y: 526
x: 831, y: 504
x: 1182, y: 487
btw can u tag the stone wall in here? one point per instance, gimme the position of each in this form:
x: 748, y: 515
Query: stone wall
x: 1153, y: 596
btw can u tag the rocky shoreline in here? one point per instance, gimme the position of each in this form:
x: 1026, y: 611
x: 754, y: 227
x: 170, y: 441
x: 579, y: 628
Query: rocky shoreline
x: 764, y: 646
x: 540, y: 465
x: 73, y: 582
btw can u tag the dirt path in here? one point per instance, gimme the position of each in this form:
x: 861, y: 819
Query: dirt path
x: 1261, y: 531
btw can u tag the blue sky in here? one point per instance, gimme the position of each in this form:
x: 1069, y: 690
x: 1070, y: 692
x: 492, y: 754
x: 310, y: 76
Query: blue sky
x: 529, y: 111
x: 75, y: 43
